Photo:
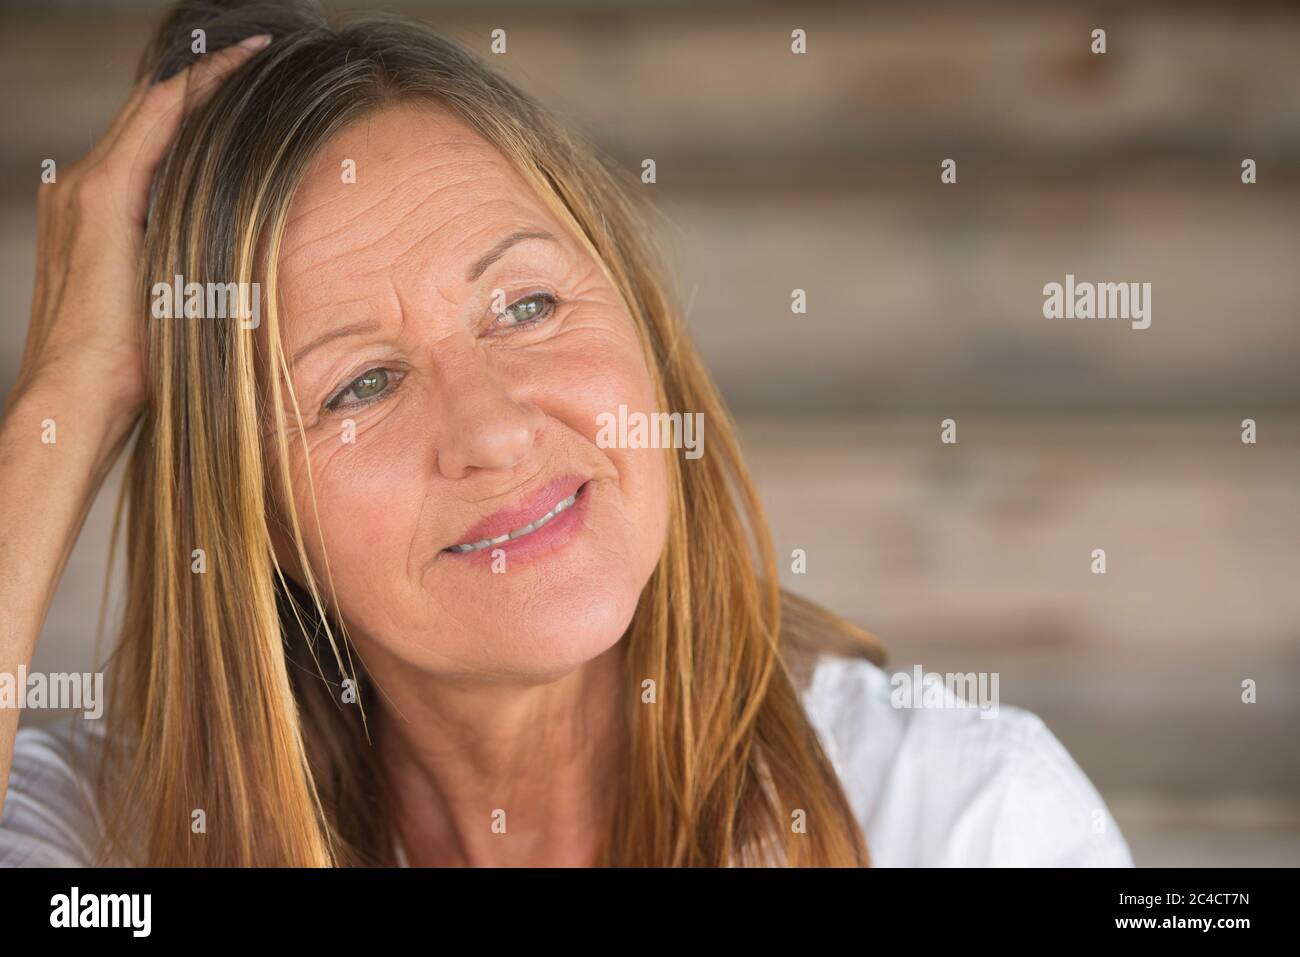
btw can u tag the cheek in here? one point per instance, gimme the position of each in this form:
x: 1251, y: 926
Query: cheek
x: 643, y: 476
x: 590, y: 368
x: 588, y: 377
x: 368, y: 494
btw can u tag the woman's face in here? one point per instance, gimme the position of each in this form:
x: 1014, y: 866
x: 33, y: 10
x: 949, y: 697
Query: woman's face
x: 452, y: 347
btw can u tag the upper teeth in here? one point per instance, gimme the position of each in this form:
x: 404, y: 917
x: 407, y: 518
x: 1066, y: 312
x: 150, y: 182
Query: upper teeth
x: 518, y: 532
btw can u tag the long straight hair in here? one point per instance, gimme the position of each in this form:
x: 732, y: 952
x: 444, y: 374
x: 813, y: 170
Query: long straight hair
x: 226, y: 708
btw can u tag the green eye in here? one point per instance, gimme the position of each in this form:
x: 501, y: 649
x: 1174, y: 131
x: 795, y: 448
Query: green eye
x: 370, y: 384
x: 529, y: 309
x: 360, y: 390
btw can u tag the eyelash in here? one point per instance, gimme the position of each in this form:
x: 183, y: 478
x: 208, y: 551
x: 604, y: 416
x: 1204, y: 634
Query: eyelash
x: 333, y: 404
x: 547, y: 299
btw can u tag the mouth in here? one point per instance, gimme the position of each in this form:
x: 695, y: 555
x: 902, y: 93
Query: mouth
x: 544, y: 519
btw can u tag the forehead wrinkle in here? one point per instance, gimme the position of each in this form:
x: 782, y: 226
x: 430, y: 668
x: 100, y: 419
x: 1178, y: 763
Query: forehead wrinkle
x: 482, y: 164
x: 338, y: 192
x: 435, y: 194
x: 352, y: 263
x: 443, y: 144
x: 341, y: 193
x: 307, y: 311
x: 310, y: 297
x: 423, y: 249
x: 301, y: 225
x: 420, y: 237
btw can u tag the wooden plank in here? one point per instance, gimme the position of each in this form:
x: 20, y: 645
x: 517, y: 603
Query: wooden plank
x: 884, y: 93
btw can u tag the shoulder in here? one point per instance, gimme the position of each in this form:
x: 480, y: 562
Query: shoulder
x: 946, y: 785
x: 50, y: 817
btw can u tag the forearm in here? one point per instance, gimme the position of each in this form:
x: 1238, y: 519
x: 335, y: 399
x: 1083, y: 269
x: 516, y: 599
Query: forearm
x: 54, y: 455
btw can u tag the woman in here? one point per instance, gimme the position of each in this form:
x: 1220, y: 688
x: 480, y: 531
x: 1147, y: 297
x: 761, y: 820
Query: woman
x: 391, y: 598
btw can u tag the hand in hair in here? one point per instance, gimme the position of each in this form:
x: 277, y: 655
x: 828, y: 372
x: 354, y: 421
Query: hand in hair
x: 81, y: 384
x: 87, y: 309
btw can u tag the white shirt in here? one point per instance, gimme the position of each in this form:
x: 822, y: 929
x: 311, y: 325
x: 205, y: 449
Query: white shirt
x: 930, y: 787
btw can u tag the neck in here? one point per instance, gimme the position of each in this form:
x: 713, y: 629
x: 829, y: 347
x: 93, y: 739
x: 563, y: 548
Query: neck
x: 504, y: 774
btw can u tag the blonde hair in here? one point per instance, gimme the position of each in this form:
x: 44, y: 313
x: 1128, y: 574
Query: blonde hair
x: 223, y: 681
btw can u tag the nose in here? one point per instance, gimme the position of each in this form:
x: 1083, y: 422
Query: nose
x: 481, y: 424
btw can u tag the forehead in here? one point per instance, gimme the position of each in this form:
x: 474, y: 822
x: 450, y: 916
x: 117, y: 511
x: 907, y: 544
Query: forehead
x: 411, y: 185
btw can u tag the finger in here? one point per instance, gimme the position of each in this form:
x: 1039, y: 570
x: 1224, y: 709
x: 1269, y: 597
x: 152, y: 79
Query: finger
x: 209, y: 72
x: 145, y: 136
x: 165, y: 104
x: 115, y: 126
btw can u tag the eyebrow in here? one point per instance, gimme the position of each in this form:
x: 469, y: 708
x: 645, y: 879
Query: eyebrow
x: 476, y: 269
x: 481, y: 264
x: 351, y: 329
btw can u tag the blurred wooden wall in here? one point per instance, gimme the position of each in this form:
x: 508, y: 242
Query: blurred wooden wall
x: 821, y: 172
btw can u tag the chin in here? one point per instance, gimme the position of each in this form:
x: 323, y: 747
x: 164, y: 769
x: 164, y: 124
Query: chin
x: 556, y: 633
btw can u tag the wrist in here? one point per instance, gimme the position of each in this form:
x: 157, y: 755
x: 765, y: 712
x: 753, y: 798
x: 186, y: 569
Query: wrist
x: 51, y: 408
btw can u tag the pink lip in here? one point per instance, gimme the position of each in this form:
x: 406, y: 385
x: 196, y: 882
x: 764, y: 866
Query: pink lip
x: 555, y: 532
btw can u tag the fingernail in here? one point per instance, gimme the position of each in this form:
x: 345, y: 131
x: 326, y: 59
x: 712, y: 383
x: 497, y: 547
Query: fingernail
x: 255, y: 43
